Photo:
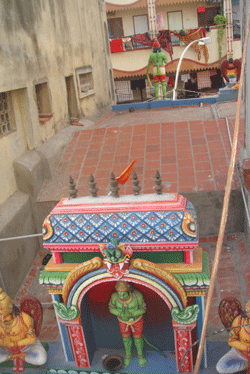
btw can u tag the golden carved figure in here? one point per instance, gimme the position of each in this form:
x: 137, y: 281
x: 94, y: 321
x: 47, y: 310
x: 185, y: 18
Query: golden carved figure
x: 237, y: 359
x: 18, y: 339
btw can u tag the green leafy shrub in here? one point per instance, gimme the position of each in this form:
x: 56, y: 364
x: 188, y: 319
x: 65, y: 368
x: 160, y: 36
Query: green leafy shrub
x: 220, y: 21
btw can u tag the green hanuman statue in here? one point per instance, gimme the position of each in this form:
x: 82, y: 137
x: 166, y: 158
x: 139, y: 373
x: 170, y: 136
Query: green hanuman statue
x: 158, y: 59
x: 129, y: 308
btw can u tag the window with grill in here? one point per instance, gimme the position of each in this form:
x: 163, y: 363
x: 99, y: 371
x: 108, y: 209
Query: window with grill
x: 115, y: 28
x: 6, y: 125
x: 206, y: 18
x: 175, y: 23
x: 85, y: 81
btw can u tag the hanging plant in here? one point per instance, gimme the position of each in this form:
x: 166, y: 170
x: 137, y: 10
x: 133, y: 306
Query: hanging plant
x: 220, y: 21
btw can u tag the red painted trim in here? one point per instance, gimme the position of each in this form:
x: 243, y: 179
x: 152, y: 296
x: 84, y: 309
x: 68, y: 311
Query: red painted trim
x: 95, y: 247
x: 178, y: 203
x: 188, y: 257
x: 57, y: 258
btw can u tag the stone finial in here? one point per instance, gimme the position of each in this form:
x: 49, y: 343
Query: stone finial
x: 92, y: 184
x: 136, y: 188
x: 72, y: 188
x: 158, y: 186
x: 113, y: 185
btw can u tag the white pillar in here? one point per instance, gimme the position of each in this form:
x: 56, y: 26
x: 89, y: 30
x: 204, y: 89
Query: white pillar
x: 245, y: 6
x: 229, y: 28
x: 152, y: 17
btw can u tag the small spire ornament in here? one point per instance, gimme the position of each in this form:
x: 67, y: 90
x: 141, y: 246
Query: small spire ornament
x: 72, y: 188
x: 136, y: 188
x: 92, y: 184
x: 113, y: 185
x: 158, y: 186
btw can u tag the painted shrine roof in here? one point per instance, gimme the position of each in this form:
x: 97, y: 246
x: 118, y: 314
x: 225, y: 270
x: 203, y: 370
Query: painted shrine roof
x: 146, y: 222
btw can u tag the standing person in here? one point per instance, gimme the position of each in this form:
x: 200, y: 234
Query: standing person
x: 159, y: 60
x: 129, y: 308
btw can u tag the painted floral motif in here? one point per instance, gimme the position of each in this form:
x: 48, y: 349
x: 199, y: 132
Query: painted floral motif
x: 79, y: 346
x: 183, y: 342
x: 47, y: 229
x: 134, y: 227
x: 189, y: 225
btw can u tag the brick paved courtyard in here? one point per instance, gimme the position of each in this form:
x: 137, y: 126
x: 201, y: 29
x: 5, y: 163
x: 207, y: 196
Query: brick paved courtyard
x: 191, y: 150
x: 190, y: 155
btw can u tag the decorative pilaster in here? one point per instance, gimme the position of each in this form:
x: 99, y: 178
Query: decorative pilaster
x: 57, y: 257
x: 79, y: 345
x: 183, y: 341
x: 152, y: 18
x: 228, y: 13
x: 188, y: 257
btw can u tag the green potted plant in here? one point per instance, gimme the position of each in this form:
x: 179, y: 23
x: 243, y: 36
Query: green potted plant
x: 220, y: 21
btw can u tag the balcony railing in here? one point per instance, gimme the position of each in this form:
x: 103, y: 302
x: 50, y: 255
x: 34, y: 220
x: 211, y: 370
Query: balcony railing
x: 167, y: 39
x: 142, y: 41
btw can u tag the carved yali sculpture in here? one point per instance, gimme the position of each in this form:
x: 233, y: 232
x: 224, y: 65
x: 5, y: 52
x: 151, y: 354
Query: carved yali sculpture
x: 116, y: 258
x: 18, y: 339
x: 237, y: 359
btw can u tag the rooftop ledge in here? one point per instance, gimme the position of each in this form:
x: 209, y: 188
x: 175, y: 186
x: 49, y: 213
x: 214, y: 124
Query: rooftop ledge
x: 124, y: 203
x: 173, y: 197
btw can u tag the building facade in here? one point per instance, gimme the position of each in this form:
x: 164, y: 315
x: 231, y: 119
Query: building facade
x: 54, y: 66
x: 180, y: 22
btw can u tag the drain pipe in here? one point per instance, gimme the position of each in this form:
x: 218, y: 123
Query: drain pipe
x: 237, y: 168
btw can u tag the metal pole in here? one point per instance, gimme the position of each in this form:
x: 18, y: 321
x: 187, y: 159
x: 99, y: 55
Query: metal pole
x: 179, y: 66
x: 225, y: 206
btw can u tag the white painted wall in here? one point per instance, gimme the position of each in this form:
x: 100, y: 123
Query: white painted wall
x: 136, y: 60
x: 189, y: 15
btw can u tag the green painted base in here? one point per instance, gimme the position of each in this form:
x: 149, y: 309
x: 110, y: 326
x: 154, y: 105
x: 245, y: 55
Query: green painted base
x: 155, y: 257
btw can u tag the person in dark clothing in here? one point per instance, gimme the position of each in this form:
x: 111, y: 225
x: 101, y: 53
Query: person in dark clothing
x: 191, y: 85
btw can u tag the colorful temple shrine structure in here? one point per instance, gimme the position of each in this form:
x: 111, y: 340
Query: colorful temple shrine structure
x: 150, y: 241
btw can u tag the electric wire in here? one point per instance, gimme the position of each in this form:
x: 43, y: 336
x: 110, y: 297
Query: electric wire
x: 21, y: 237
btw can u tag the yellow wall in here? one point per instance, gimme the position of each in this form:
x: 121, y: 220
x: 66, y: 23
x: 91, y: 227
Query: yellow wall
x: 46, y: 42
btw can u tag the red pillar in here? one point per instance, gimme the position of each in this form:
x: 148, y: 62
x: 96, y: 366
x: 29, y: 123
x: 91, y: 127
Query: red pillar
x: 183, y: 340
x: 78, y: 345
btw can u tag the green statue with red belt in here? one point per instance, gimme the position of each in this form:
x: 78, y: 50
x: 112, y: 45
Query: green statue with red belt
x: 129, y: 308
x: 159, y: 60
